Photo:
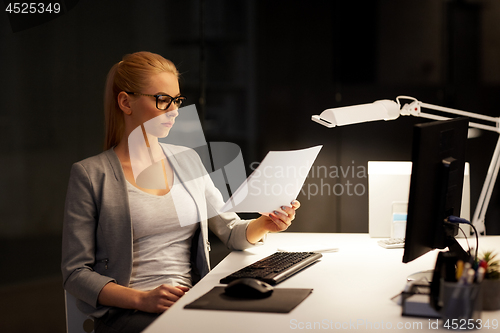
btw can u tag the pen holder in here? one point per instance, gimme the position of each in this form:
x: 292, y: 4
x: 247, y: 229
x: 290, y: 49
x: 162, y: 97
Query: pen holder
x: 462, y: 305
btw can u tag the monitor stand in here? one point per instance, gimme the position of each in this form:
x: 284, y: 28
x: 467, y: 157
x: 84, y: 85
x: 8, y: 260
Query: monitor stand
x: 453, y: 246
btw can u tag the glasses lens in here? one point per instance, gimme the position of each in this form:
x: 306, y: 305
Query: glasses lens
x: 163, y: 102
x: 179, y: 100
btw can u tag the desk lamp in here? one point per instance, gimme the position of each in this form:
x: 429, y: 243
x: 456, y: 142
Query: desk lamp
x: 389, y: 110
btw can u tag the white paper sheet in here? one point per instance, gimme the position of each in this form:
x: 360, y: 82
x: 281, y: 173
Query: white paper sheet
x: 275, y: 183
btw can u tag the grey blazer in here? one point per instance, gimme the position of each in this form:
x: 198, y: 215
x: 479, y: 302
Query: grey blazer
x: 97, y: 228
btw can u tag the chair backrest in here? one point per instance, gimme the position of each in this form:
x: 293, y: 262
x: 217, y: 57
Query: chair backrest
x: 76, y: 321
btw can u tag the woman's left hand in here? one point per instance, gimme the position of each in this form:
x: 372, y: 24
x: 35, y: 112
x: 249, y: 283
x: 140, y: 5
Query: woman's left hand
x: 282, y: 218
x: 278, y: 220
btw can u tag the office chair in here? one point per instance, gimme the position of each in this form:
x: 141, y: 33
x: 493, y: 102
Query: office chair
x: 76, y: 321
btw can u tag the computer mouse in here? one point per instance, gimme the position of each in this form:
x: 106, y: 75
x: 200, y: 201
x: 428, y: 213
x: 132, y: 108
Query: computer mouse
x: 248, y: 288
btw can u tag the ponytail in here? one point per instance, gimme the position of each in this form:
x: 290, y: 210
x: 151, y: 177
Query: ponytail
x: 113, y: 116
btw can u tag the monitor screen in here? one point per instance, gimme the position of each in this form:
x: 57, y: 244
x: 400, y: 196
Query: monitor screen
x: 438, y: 156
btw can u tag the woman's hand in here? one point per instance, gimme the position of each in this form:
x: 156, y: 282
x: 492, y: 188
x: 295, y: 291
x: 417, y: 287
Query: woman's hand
x: 282, y: 218
x: 161, y: 298
x: 278, y: 220
x: 154, y: 301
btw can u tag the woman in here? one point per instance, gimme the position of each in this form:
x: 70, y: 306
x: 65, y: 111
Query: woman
x: 125, y: 256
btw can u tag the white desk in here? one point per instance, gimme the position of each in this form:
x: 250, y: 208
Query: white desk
x: 352, y: 290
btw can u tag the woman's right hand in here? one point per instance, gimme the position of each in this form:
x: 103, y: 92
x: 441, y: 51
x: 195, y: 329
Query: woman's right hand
x: 161, y: 298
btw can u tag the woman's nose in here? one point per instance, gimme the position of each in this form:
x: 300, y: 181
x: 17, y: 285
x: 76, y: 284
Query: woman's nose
x: 172, y: 113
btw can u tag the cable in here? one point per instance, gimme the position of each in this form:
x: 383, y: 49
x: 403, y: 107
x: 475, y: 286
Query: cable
x: 455, y: 219
x: 465, y: 236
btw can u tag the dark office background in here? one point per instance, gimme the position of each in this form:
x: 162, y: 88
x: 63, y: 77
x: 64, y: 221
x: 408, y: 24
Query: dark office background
x: 263, y: 68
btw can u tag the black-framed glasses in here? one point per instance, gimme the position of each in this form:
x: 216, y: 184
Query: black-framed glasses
x: 163, y: 101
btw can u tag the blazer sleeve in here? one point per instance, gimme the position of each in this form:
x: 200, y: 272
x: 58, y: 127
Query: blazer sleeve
x: 79, y: 239
x: 227, y: 226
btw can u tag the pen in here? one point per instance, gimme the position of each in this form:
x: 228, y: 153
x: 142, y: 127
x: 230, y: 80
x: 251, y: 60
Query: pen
x: 480, y: 274
x: 463, y: 277
x: 460, y: 268
x: 471, y: 273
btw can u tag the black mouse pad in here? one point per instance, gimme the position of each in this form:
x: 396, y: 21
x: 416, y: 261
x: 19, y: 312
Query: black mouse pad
x: 282, y: 300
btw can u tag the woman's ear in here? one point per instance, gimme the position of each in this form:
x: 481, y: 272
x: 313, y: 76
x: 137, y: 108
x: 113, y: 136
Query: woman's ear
x: 124, y: 102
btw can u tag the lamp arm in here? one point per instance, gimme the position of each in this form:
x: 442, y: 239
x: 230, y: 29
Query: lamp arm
x: 414, y: 109
x: 489, y: 184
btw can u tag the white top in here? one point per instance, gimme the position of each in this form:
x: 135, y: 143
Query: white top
x: 161, y: 247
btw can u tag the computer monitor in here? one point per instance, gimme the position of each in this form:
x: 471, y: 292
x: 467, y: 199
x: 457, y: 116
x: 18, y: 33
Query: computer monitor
x: 438, y: 156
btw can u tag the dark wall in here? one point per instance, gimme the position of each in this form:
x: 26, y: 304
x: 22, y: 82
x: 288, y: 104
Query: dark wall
x: 269, y: 66
x: 340, y: 53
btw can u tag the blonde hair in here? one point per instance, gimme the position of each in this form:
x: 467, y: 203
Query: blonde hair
x: 131, y: 74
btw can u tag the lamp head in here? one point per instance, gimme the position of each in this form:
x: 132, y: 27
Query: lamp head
x: 378, y: 110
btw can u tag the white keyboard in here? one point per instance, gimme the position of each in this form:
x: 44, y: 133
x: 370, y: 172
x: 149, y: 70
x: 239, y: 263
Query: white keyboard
x: 392, y: 243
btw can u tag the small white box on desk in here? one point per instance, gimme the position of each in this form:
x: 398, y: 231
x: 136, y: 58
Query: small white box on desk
x: 388, y: 191
x: 388, y: 183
